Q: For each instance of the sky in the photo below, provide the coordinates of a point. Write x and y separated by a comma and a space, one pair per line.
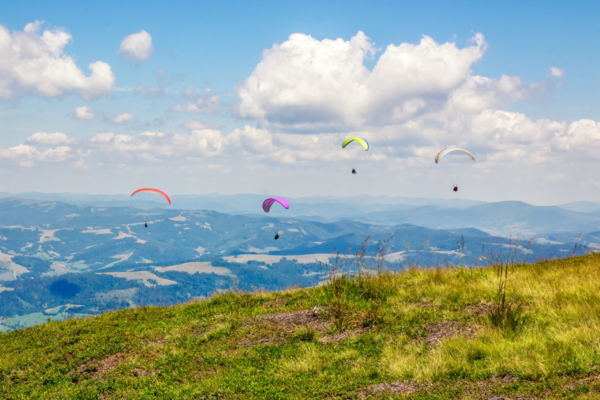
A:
256, 97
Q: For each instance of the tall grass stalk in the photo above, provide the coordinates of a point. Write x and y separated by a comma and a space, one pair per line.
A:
506, 312
358, 296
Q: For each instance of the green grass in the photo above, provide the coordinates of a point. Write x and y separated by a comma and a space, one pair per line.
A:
422, 333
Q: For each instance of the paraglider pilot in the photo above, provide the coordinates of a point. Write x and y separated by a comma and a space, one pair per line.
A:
145, 224
455, 188
354, 171
276, 235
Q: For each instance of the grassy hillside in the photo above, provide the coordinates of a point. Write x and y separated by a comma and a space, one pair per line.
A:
499, 332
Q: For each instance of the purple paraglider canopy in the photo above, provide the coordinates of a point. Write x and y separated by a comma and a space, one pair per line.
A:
269, 202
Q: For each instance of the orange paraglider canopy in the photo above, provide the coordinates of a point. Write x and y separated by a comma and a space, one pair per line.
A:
153, 190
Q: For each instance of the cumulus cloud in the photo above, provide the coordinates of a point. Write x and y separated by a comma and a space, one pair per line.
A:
137, 47
121, 119
205, 102
84, 113
582, 137
27, 156
309, 85
50, 138
417, 99
305, 83
35, 63
556, 72
479, 93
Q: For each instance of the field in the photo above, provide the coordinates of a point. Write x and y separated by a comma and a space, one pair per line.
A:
505, 331
196, 267
269, 259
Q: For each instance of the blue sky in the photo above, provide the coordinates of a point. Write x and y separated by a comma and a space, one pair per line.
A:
218, 45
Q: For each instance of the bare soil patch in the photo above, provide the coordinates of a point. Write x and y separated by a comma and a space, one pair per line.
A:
141, 372
94, 369
313, 318
439, 331
584, 380
478, 310
108, 364
425, 303
470, 390
338, 337
405, 388
486, 389
276, 328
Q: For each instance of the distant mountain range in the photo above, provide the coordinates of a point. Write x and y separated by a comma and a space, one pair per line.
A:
59, 259
506, 218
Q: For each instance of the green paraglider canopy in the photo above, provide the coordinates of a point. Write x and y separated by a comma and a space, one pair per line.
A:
362, 142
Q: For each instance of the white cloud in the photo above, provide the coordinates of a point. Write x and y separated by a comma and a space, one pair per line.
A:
121, 119
203, 103
102, 137
479, 93
197, 124
557, 72
137, 47
60, 153
504, 143
194, 124
307, 84
27, 156
417, 99
50, 138
35, 63
84, 113
581, 138
148, 133
494, 136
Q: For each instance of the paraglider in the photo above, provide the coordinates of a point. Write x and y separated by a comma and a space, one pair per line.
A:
153, 190
271, 200
361, 141
448, 151
160, 192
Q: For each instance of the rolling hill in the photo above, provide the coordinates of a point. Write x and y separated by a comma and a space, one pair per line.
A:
422, 333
